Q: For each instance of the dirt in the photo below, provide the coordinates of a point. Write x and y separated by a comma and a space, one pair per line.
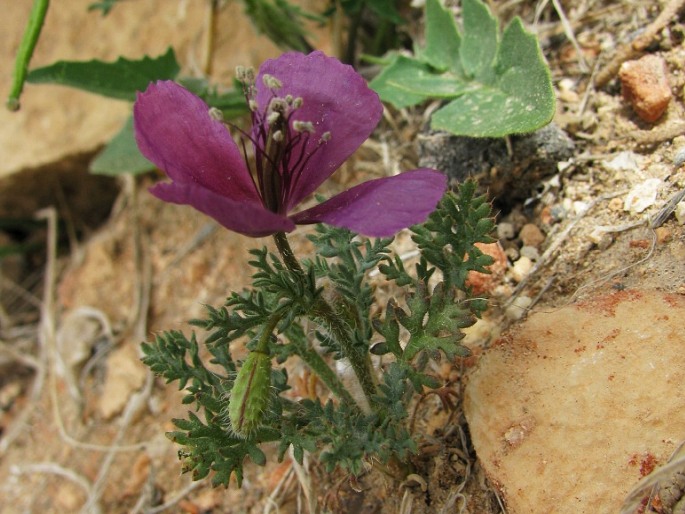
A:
74, 432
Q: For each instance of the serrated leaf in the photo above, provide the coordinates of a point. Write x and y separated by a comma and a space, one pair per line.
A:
434, 323
121, 155
119, 79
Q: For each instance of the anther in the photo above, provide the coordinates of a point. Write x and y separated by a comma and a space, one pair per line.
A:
303, 126
278, 105
271, 82
277, 136
326, 136
252, 104
297, 102
216, 114
273, 117
245, 75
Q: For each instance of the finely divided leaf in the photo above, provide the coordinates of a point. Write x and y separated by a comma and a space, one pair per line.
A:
119, 79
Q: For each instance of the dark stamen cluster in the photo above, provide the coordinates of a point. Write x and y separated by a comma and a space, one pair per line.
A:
280, 142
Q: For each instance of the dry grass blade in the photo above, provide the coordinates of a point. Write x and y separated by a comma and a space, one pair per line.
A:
658, 478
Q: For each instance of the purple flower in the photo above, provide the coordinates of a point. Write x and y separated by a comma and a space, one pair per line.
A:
309, 114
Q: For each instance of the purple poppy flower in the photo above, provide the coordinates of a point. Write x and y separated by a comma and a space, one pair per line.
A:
309, 114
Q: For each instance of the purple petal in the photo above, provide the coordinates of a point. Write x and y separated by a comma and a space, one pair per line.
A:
381, 207
336, 99
175, 131
248, 218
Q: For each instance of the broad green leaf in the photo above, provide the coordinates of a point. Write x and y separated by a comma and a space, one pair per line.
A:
498, 87
521, 99
119, 79
420, 81
121, 155
387, 83
479, 44
442, 39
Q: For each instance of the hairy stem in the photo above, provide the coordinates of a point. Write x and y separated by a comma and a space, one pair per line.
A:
311, 357
323, 313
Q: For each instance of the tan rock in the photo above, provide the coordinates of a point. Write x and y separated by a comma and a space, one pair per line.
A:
531, 235
568, 407
644, 83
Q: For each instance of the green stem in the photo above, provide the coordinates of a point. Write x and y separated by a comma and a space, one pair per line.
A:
324, 372
263, 342
360, 362
287, 254
323, 313
28, 44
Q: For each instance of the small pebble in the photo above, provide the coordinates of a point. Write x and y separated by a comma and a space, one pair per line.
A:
531, 235
512, 253
601, 238
531, 252
518, 308
615, 204
505, 230
644, 83
558, 212
642, 196
521, 269
679, 158
663, 234
580, 208
680, 213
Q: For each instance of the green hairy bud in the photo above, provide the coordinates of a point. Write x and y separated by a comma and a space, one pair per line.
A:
250, 394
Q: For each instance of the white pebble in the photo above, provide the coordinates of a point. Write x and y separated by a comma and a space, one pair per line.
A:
505, 230
521, 268
518, 308
642, 196
680, 213
531, 252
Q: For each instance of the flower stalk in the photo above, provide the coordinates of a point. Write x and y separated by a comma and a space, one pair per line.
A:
323, 313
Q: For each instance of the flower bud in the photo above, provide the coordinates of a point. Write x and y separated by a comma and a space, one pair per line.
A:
250, 394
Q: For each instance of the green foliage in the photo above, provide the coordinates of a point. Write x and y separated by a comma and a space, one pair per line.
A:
494, 87
105, 6
274, 320
447, 240
121, 155
28, 43
345, 260
281, 22
120, 79
384, 9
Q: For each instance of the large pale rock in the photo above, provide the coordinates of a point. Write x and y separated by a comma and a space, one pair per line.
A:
570, 409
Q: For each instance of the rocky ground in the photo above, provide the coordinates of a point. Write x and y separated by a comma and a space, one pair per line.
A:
572, 394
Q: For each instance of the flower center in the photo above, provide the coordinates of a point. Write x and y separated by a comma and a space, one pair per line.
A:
281, 142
